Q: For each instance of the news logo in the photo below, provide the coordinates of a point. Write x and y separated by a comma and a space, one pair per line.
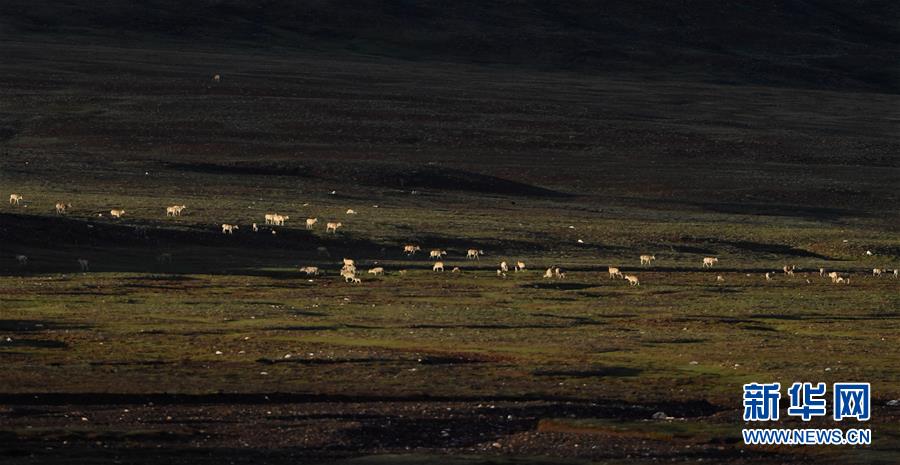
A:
807, 401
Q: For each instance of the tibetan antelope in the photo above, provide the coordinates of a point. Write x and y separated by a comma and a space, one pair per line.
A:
62, 207
473, 254
646, 259
116, 213
229, 228
614, 273
708, 262
632, 280
333, 227
14, 199
310, 222
438, 266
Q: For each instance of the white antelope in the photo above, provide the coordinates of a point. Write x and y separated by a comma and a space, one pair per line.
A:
788, 270
229, 228
708, 262
278, 220
720, 279
614, 273
351, 211
333, 227
822, 272
175, 210
520, 266
877, 272
559, 273
14, 199
116, 213
310, 270
632, 280
456, 270
834, 276
310, 222
768, 276
22, 259
896, 273
549, 273
255, 228
62, 207
504, 267
348, 262
410, 249
270, 218
83, 263
216, 78
377, 271
438, 266
437, 253
473, 254
646, 259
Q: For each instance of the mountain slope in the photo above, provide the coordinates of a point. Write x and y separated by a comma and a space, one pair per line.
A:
835, 44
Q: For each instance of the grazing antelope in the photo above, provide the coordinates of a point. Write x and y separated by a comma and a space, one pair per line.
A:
410, 249
351, 211
310, 222
229, 228
549, 273
254, 227
876, 272
22, 259
437, 253
438, 266
377, 271
708, 262
175, 210
473, 254
720, 279
216, 78
278, 220
333, 227
62, 207
559, 273
896, 273
501, 274
14, 199
455, 270
646, 259
632, 280
310, 270
834, 276
504, 267
768, 276
520, 266
614, 273
788, 270
116, 213
83, 263
822, 272
842, 280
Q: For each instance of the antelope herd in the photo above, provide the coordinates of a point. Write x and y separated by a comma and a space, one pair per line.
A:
348, 270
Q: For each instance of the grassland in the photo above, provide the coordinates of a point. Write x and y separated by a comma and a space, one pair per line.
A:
229, 351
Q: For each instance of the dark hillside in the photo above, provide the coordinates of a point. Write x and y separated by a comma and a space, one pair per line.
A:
834, 44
